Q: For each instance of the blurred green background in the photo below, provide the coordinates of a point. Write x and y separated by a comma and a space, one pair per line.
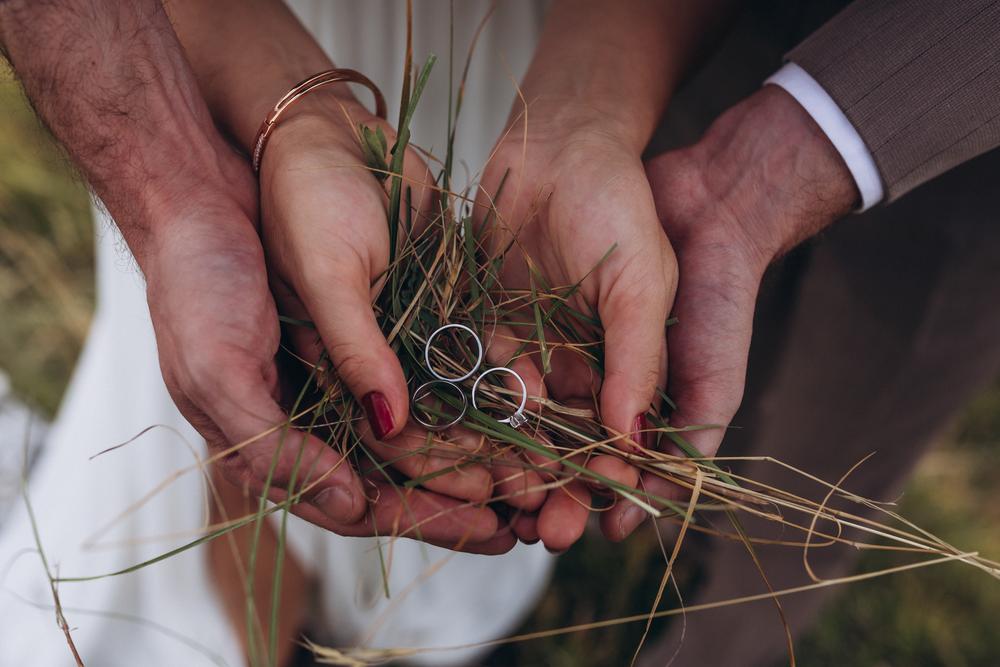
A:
938, 616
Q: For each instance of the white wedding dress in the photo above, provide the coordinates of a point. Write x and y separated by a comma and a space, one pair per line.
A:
167, 613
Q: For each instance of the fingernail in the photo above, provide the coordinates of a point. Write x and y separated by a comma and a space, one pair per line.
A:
336, 502
378, 412
555, 552
641, 433
530, 542
630, 520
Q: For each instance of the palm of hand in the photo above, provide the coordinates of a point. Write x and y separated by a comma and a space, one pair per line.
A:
217, 334
327, 243
586, 210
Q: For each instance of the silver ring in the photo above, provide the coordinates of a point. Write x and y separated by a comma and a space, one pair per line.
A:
517, 419
424, 390
479, 352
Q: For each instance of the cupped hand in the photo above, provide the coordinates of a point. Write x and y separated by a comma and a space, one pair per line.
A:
326, 241
576, 202
763, 179
218, 332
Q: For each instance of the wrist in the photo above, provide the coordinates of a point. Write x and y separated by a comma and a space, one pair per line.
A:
308, 136
566, 118
769, 164
604, 66
332, 101
217, 188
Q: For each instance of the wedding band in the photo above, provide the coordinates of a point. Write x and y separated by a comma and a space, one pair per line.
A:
517, 419
423, 391
479, 352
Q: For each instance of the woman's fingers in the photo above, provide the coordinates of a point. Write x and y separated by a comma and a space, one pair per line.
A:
394, 511
634, 314
338, 297
439, 463
517, 480
563, 517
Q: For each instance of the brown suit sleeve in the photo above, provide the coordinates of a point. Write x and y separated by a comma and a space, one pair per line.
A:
919, 79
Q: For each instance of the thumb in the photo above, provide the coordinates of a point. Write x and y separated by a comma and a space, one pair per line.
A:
635, 358
340, 306
230, 400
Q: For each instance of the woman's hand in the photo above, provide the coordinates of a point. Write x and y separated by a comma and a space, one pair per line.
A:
326, 242
596, 89
325, 235
577, 203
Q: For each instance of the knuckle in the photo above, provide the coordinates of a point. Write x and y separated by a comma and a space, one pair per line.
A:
234, 470
259, 463
349, 360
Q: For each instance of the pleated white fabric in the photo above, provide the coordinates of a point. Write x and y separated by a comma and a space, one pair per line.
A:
167, 613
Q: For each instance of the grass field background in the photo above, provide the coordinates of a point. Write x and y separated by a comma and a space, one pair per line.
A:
941, 616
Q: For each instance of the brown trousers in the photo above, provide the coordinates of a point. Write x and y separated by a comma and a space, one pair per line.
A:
870, 338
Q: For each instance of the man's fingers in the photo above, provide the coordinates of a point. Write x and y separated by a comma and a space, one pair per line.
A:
339, 300
711, 341
525, 527
613, 468
240, 404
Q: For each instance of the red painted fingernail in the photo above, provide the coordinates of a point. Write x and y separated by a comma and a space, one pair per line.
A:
641, 433
378, 412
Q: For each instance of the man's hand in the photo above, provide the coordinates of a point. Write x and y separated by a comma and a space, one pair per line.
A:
111, 81
217, 333
763, 179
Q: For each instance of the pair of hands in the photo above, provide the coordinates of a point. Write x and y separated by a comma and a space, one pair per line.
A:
694, 229
702, 222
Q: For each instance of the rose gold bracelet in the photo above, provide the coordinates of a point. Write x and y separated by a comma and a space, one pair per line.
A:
304, 88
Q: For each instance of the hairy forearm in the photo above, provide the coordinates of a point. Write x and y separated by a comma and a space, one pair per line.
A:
617, 61
246, 55
111, 82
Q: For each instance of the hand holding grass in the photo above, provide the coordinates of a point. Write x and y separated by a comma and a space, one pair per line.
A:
762, 179
327, 249
576, 203
127, 108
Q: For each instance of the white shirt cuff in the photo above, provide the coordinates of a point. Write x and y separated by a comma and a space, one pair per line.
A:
837, 127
